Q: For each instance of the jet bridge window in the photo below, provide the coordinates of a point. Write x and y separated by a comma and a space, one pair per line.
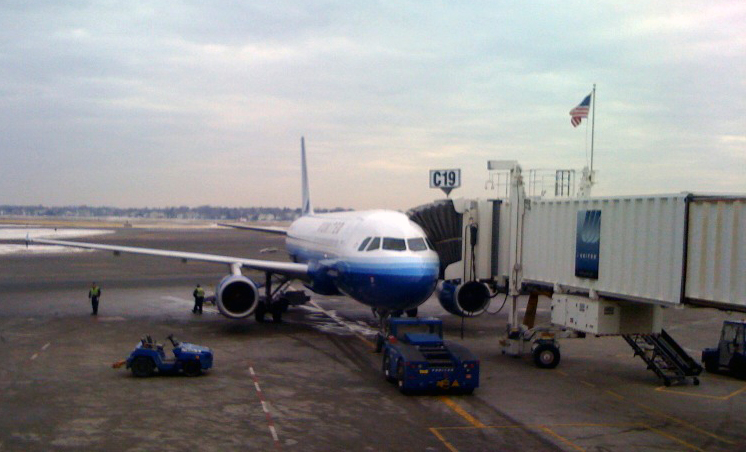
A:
394, 244
416, 244
364, 244
374, 244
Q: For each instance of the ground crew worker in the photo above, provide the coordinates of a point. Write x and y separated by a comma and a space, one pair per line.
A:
94, 295
199, 298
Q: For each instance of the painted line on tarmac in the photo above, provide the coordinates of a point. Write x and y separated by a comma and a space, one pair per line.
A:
549, 429
551, 432
461, 412
337, 319
659, 413
188, 302
684, 423
546, 428
267, 414
442, 439
44, 347
673, 438
706, 396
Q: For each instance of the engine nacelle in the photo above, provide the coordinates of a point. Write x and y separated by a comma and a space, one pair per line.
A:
236, 296
464, 300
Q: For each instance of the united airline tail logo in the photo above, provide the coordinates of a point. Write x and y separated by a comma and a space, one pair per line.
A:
591, 228
588, 244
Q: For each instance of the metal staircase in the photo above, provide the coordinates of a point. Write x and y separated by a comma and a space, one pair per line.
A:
664, 357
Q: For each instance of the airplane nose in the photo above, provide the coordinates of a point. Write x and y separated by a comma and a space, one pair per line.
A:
400, 285
404, 290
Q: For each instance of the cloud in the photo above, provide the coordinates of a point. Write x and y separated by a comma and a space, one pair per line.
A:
198, 103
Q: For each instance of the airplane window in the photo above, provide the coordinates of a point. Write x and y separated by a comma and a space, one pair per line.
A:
430, 244
394, 244
417, 244
364, 244
374, 244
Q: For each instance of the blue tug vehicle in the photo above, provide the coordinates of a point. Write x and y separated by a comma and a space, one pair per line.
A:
149, 356
730, 352
416, 358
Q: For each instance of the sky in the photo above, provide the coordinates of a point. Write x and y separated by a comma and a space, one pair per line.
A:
154, 104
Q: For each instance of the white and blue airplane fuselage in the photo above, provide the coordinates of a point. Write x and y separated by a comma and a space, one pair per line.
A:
379, 258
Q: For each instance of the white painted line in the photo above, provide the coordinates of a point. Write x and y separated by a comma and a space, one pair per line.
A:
46, 345
189, 302
177, 299
351, 327
265, 408
274, 432
34, 356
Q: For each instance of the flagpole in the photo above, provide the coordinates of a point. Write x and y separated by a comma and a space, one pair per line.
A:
593, 123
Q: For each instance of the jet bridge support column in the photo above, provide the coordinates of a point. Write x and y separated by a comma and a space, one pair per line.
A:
517, 198
520, 338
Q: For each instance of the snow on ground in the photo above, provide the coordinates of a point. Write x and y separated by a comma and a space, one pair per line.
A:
16, 233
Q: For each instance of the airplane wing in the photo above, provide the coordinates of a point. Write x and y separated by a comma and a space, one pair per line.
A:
268, 229
290, 269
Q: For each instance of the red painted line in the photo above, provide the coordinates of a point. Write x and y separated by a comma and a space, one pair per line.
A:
267, 414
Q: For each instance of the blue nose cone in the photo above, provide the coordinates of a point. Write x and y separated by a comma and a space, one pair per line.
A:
394, 286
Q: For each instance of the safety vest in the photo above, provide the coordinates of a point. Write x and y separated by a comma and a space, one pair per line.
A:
199, 292
95, 291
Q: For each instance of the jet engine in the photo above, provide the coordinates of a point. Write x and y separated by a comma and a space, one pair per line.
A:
469, 299
236, 296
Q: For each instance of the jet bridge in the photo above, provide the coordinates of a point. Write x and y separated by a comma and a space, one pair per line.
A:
610, 264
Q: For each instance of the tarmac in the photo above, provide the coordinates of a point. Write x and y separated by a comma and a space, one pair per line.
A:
312, 382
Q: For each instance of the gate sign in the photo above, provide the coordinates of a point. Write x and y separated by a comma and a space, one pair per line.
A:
446, 179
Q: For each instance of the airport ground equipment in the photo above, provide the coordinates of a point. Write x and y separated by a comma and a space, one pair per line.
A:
664, 357
416, 358
149, 357
730, 352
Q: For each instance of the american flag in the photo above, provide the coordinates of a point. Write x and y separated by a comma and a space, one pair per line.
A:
580, 112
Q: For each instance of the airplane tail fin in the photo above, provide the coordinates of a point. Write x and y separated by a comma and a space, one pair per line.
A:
307, 207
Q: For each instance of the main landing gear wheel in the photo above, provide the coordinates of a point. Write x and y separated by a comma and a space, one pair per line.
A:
412, 312
546, 356
142, 366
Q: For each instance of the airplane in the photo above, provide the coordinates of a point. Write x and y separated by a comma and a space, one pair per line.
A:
379, 258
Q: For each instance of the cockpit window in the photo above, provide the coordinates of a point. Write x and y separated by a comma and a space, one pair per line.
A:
364, 244
417, 244
374, 244
394, 244
430, 244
